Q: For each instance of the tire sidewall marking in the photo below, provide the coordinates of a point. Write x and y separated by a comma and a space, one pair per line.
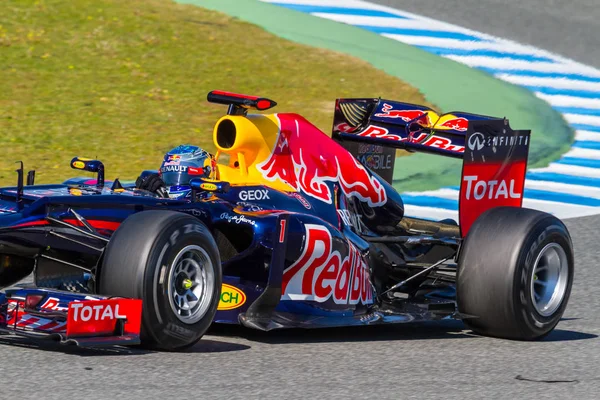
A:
551, 234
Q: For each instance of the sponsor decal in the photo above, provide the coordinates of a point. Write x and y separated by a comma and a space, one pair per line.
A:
370, 148
377, 161
173, 157
52, 303
310, 160
237, 219
425, 139
322, 273
195, 212
258, 194
174, 168
478, 141
493, 172
248, 207
349, 219
99, 317
379, 132
345, 128
78, 164
493, 189
231, 297
301, 199
387, 111
195, 171
457, 123
97, 312
211, 187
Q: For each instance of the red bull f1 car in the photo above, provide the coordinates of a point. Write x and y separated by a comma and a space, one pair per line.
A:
293, 231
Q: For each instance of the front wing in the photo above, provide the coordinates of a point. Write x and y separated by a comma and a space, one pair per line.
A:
70, 318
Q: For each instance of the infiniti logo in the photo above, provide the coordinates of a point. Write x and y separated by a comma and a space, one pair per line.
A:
476, 141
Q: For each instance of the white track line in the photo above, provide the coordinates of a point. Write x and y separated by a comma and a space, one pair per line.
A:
588, 136
573, 170
467, 44
578, 152
510, 64
582, 119
557, 83
569, 101
561, 210
341, 3
557, 187
390, 22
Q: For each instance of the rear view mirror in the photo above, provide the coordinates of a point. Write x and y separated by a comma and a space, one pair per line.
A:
87, 164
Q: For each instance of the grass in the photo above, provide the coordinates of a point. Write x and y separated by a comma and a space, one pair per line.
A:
125, 81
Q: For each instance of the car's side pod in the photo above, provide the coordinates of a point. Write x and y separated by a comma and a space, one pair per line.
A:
494, 155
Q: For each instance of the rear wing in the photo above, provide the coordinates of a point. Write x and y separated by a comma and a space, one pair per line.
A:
403, 126
494, 155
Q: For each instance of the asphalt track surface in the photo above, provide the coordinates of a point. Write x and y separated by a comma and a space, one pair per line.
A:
401, 362
404, 361
568, 28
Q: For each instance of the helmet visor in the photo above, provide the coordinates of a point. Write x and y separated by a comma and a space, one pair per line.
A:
175, 178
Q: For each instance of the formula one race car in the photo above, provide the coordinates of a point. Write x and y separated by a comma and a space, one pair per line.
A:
293, 230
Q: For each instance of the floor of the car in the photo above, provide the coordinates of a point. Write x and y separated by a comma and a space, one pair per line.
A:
446, 228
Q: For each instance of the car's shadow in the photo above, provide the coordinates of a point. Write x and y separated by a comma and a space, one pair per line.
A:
203, 346
401, 332
218, 342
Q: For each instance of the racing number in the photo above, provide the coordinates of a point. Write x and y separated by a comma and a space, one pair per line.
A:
282, 231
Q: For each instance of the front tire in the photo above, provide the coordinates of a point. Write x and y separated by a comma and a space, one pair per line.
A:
170, 261
515, 272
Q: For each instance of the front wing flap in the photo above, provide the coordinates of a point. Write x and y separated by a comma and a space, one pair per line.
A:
71, 318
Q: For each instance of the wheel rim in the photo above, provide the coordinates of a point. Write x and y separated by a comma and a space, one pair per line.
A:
191, 284
549, 279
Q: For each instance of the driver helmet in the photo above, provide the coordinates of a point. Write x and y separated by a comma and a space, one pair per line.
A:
184, 163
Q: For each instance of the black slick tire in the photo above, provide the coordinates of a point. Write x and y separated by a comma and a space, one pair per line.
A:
137, 263
496, 268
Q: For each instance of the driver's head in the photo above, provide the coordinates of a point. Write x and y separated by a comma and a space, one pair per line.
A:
185, 163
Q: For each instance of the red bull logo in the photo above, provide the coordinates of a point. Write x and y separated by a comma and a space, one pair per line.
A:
458, 124
423, 138
307, 159
323, 273
405, 115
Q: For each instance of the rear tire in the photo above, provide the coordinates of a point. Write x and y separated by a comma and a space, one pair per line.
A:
515, 272
170, 261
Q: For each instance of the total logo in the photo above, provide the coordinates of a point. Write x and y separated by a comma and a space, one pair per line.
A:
322, 273
258, 194
490, 189
477, 141
98, 312
231, 297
